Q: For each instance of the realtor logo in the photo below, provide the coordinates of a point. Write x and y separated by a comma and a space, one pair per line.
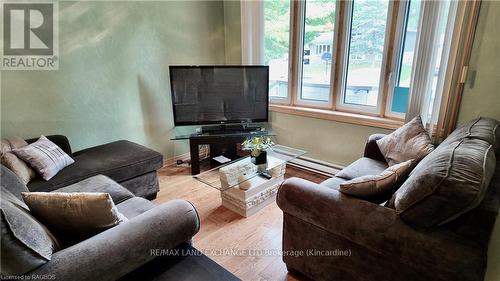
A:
30, 36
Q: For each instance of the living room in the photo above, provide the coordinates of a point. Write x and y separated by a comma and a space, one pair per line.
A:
356, 92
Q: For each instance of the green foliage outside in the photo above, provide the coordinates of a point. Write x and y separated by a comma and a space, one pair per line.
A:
277, 29
369, 21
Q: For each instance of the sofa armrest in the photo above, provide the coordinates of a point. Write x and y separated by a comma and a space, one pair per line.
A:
59, 140
125, 247
373, 227
371, 148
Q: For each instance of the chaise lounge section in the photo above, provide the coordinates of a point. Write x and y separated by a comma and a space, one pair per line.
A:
132, 165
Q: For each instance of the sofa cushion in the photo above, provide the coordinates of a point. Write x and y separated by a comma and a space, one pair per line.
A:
143, 185
362, 167
99, 183
480, 128
120, 160
11, 182
134, 207
376, 185
410, 141
447, 183
25, 243
73, 216
45, 157
22, 170
333, 183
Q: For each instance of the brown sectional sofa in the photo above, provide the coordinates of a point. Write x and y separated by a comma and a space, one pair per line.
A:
377, 242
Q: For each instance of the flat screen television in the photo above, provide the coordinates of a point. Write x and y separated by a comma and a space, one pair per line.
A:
219, 94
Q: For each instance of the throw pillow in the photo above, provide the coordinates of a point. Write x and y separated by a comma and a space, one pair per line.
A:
410, 141
74, 215
45, 157
26, 243
375, 185
24, 172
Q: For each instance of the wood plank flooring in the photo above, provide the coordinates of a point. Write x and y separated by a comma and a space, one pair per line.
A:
223, 230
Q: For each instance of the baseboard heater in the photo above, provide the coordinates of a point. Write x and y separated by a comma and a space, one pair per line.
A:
305, 163
316, 166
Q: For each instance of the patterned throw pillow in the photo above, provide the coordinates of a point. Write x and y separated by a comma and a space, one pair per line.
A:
374, 185
12, 162
45, 157
411, 141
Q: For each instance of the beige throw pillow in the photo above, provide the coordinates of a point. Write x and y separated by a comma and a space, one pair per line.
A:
374, 185
24, 172
73, 214
410, 141
45, 157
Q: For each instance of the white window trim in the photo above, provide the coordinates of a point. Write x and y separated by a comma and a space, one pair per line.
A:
300, 47
252, 32
424, 58
400, 30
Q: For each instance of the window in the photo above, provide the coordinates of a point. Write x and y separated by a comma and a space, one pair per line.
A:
368, 24
277, 45
319, 22
344, 58
400, 91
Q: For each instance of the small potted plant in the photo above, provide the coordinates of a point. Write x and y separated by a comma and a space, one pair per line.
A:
257, 147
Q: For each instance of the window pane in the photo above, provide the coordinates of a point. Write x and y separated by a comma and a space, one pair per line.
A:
402, 87
366, 47
318, 46
277, 30
408, 49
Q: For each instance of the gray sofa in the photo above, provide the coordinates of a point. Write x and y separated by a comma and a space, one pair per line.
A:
108, 255
381, 242
131, 165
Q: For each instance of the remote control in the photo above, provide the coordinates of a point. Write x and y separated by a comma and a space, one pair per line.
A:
266, 175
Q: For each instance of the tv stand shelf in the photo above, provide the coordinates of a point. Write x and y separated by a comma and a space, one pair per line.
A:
226, 128
221, 142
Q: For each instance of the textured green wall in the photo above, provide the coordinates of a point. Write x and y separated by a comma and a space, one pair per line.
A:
334, 142
232, 32
481, 96
113, 81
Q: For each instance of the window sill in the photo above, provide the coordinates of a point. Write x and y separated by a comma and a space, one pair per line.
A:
339, 116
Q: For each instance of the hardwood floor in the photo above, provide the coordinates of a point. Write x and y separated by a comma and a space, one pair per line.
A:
224, 230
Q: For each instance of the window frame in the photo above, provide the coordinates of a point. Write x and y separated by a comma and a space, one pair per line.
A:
401, 25
299, 45
288, 99
456, 76
340, 95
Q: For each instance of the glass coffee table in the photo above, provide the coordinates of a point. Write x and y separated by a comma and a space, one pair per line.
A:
245, 187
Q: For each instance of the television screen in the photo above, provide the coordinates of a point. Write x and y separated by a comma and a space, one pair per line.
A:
219, 94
